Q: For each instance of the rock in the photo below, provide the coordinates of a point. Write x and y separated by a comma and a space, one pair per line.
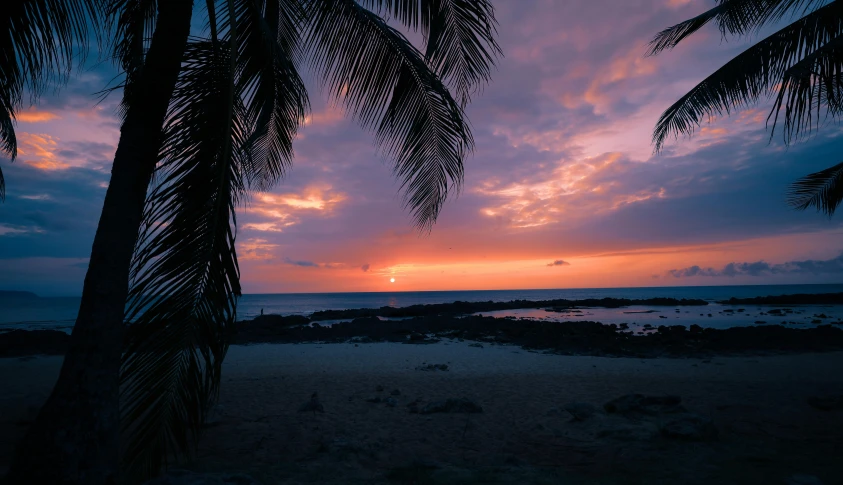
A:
433, 367
391, 402
379, 389
452, 406
641, 431
184, 477
416, 337
827, 403
413, 407
313, 405
478, 345
395, 392
375, 400
802, 479
690, 427
695, 328
580, 410
631, 404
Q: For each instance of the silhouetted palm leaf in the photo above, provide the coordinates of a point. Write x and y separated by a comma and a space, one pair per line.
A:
274, 95
733, 17
40, 40
758, 71
134, 22
384, 81
186, 277
822, 190
460, 38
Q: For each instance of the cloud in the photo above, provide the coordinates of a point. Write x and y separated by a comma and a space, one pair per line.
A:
559, 262
304, 264
763, 268
33, 115
365, 267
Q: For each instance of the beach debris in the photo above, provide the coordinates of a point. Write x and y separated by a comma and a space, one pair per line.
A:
476, 344
452, 406
433, 367
185, 477
395, 392
803, 479
313, 405
827, 403
580, 410
690, 427
631, 404
391, 402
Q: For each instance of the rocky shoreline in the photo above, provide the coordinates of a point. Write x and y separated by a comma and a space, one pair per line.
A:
570, 338
798, 299
467, 308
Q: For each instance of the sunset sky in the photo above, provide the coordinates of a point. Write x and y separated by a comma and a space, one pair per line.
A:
563, 189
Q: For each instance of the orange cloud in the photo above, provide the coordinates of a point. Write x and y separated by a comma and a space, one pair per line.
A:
38, 150
35, 116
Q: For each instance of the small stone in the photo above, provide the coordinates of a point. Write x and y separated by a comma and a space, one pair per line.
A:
395, 392
826, 403
452, 406
375, 400
391, 402
478, 345
580, 410
803, 479
690, 427
313, 405
379, 389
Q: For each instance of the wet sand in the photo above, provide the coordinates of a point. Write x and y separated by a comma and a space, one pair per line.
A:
767, 432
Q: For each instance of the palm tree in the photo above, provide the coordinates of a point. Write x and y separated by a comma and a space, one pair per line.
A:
38, 43
800, 66
215, 117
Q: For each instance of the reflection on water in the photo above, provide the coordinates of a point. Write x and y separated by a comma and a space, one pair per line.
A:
710, 316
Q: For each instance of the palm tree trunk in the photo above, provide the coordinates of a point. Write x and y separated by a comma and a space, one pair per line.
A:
74, 439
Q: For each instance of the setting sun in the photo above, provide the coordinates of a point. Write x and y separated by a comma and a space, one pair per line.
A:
392, 280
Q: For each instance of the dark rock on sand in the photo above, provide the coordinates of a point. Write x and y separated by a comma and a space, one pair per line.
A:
391, 402
452, 406
184, 477
433, 367
313, 405
374, 400
580, 410
395, 392
803, 479
690, 427
28, 342
827, 403
639, 404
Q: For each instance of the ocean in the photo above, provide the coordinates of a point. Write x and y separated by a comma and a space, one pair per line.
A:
60, 312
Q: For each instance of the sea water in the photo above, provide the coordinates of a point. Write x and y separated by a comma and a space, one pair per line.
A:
60, 312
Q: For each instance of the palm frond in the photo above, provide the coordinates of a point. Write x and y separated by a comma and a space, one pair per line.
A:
185, 276
822, 190
753, 73
275, 97
40, 41
461, 44
134, 22
386, 83
733, 17
810, 88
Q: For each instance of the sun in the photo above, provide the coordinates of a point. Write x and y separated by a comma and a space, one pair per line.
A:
392, 280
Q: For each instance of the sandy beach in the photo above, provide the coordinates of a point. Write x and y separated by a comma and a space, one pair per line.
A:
766, 432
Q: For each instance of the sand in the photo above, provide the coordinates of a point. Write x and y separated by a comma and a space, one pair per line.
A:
767, 431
